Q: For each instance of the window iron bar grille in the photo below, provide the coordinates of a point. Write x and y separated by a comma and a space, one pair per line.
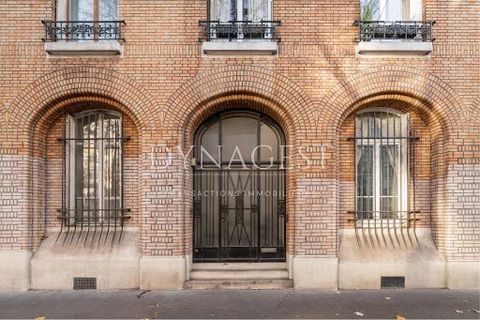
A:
395, 30
240, 30
385, 179
83, 30
375, 228
93, 223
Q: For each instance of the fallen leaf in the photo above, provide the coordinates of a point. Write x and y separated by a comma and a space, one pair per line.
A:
388, 298
399, 317
475, 310
40, 318
458, 311
358, 314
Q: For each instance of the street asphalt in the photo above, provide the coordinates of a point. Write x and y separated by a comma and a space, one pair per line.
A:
270, 304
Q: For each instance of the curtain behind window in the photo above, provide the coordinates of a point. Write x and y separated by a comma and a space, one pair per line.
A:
252, 10
81, 10
391, 10
223, 10
256, 10
107, 10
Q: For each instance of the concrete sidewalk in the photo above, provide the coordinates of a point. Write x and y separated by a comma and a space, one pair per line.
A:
457, 304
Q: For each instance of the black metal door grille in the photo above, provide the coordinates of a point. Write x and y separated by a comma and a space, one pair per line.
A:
239, 209
244, 219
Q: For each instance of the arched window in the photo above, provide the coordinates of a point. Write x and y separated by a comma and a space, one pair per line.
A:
232, 136
93, 163
382, 147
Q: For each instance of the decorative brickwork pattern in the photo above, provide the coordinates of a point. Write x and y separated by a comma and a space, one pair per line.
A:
166, 88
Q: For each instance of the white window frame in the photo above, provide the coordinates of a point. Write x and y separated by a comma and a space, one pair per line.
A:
402, 140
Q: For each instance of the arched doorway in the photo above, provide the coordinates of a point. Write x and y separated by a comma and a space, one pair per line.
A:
239, 189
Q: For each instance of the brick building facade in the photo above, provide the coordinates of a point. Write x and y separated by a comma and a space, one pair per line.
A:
164, 86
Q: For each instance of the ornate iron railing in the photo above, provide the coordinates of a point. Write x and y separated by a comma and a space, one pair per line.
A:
391, 30
239, 30
83, 30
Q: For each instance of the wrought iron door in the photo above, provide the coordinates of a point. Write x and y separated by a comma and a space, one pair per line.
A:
239, 206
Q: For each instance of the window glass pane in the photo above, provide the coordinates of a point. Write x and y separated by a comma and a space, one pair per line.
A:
370, 10
241, 133
389, 159
364, 171
210, 143
107, 10
81, 10
256, 10
391, 10
111, 164
415, 10
87, 166
223, 10
365, 181
270, 143
390, 165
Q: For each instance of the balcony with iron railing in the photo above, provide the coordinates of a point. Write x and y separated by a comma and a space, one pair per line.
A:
83, 37
239, 37
395, 37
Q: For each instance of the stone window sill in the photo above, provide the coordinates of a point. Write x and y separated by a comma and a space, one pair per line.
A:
84, 48
218, 47
394, 47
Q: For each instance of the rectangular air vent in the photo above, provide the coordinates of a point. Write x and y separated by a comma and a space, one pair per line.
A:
392, 282
84, 283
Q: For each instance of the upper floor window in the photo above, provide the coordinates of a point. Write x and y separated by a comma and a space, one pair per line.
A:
236, 21
80, 27
397, 20
391, 10
93, 10
382, 148
241, 10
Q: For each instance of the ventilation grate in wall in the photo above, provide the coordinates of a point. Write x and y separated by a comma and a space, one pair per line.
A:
84, 283
392, 282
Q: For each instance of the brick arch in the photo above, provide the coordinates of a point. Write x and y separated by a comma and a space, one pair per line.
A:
287, 101
237, 102
436, 103
239, 87
475, 114
51, 90
422, 90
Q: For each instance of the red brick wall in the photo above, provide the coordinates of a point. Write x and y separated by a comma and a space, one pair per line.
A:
164, 84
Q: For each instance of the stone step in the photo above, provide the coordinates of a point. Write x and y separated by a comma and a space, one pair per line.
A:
209, 274
245, 284
239, 266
